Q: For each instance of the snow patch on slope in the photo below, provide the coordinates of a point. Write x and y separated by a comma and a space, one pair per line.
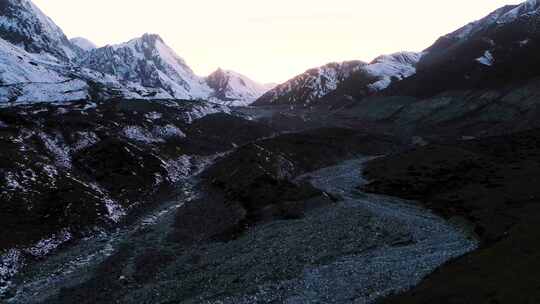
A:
388, 67
486, 59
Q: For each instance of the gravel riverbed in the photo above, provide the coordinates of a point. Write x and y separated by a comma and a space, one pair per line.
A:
361, 248
386, 245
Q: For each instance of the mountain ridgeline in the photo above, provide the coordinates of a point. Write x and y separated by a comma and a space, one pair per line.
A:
493, 52
352, 77
498, 50
41, 64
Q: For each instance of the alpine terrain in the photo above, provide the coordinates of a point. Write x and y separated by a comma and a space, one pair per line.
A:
127, 178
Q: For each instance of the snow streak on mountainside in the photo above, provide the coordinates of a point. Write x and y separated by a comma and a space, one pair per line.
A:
311, 85
23, 24
235, 89
83, 43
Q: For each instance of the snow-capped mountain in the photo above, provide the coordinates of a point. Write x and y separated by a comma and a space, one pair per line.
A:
348, 78
83, 43
494, 51
151, 63
311, 85
234, 88
23, 24
29, 78
39, 64
37, 61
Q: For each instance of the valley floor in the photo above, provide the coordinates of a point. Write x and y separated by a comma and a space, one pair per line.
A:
363, 247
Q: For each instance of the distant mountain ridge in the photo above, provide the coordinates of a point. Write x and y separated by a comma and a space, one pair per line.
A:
311, 85
499, 49
39, 63
349, 78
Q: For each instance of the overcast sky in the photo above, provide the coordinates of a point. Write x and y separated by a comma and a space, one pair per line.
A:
269, 41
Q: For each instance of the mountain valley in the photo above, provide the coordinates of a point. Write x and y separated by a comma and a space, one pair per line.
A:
127, 178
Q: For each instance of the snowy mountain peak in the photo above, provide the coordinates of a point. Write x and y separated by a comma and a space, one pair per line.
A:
147, 60
83, 43
23, 24
234, 88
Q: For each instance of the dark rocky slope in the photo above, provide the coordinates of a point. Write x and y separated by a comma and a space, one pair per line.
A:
492, 183
79, 166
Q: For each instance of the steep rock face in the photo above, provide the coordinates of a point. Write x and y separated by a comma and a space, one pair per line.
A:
234, 88
311, 85
496, 50
149, 62
24, 24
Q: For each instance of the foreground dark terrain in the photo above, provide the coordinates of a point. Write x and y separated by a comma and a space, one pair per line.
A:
491, 184
74, 170
245, 186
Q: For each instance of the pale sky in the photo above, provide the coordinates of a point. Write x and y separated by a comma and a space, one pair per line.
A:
269, 41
